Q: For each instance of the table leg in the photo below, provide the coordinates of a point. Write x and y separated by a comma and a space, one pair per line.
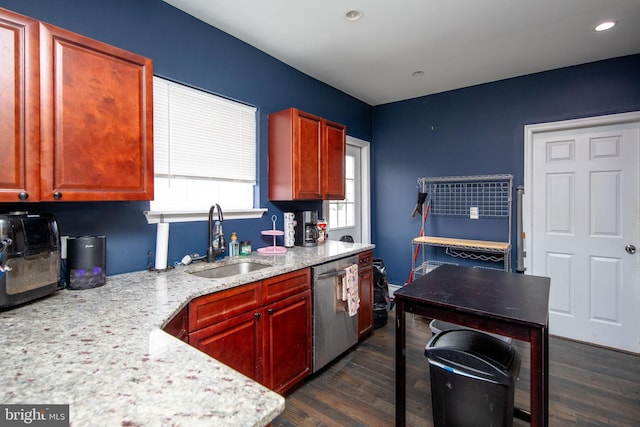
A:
400, 364
539, 374
546, 374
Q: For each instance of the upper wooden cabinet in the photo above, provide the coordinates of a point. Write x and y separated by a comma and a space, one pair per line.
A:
96, 119
306, 157
88, 134
19, 107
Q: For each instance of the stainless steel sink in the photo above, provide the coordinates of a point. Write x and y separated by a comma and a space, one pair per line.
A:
228, 270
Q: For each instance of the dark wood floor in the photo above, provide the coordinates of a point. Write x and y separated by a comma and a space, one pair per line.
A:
589, 386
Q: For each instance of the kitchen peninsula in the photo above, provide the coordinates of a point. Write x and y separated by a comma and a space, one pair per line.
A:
103, 352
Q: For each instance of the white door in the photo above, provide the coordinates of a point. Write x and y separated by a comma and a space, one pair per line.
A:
350, 217
584, 204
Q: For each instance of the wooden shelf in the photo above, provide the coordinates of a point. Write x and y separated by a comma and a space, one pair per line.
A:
464, 243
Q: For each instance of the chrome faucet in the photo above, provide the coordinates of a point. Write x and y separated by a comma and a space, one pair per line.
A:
216, 235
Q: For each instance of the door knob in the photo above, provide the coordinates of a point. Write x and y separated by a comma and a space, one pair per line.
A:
630, 249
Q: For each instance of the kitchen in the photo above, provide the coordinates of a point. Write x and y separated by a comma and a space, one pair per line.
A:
493, 113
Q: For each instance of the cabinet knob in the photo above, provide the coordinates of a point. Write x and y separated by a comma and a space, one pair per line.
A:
271, 311
57, 195
257, 315
23, 195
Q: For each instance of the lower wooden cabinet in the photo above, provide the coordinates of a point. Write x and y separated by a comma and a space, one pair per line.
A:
236, 342
365, 289
262, 329
287, 342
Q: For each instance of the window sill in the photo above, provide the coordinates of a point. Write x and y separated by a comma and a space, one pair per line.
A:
154, 217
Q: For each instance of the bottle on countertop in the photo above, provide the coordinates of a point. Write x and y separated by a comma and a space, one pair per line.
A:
245, 248
322, 231
234, 246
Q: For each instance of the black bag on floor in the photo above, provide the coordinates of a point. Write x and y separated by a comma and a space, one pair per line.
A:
380, 293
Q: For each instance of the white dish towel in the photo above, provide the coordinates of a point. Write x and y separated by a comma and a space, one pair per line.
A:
350, 289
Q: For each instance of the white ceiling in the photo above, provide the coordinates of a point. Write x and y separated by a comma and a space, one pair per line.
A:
456, 43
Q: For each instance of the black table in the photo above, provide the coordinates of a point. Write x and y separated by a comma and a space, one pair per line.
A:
509, 304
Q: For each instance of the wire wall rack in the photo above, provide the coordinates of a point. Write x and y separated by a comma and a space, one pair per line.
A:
474, 197
490, 194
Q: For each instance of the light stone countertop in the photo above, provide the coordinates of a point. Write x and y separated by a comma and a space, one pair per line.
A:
102, 350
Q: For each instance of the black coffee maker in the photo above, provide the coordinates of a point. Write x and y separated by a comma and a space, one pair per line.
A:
306, 227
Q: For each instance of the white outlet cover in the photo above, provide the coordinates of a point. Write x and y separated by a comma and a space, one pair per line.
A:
474, 213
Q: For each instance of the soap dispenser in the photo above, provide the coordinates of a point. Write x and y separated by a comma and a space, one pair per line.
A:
234, 246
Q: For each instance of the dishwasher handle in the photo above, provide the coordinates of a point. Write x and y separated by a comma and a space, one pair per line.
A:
331, 274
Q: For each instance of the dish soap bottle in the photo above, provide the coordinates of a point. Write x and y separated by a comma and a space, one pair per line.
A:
234, 246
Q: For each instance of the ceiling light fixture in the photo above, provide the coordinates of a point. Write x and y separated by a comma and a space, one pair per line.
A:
605, 26
353, 15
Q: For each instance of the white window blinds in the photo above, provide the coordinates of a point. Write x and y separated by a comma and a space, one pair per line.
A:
200, 135
204, 149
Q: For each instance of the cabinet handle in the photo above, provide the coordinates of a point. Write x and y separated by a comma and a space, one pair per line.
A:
271, 311
23, 195
257, 315
57, 195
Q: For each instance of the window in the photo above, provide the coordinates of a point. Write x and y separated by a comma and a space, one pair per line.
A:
204, 149
342, 212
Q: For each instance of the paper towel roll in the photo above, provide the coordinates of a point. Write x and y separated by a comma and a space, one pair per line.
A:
289, 231
162, 245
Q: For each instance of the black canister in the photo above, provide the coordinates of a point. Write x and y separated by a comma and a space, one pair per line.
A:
86, 259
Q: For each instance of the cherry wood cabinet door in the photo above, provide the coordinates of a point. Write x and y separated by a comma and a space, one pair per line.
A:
287, 342
307, 151
365, 289
19, 108
333, 161
295, 147
96, 119
236, 342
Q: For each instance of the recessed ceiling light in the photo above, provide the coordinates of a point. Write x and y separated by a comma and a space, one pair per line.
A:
353, 15
418, 73
605, 26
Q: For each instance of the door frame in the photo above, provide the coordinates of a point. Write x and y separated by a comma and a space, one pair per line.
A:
529, 132
365, 187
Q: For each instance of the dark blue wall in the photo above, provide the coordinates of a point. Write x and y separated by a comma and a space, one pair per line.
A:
475, 131
187, 50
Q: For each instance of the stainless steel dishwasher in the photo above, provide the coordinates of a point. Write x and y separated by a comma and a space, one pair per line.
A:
334, 331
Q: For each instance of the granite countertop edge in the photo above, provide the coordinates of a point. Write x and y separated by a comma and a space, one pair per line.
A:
103, 352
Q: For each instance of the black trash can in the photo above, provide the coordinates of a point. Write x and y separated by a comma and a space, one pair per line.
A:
473, 378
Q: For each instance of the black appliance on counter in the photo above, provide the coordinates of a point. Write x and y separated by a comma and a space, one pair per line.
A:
29, 257
86, 259
306, 229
